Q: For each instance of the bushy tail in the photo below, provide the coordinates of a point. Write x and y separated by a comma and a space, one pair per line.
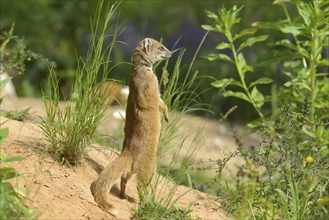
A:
101, 187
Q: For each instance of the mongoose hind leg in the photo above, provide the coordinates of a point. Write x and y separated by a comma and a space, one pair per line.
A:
144, 178
142, 189
123, 185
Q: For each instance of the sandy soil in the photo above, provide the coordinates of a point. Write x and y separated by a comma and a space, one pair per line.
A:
61, 192
217, 140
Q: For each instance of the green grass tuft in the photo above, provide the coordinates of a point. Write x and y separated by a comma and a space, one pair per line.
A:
70, 130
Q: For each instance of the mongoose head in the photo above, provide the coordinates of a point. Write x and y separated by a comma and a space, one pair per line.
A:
154, 50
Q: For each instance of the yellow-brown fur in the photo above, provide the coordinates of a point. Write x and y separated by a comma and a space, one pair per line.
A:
112, 90
142, 127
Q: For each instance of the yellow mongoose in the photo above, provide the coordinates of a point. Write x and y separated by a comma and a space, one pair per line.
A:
142, 127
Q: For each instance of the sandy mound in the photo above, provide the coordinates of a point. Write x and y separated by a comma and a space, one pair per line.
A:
60, 192
217, 139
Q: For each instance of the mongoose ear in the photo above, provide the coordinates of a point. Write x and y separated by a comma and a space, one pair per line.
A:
147, 44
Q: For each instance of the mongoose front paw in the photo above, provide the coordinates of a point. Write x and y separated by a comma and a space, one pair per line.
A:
167, 120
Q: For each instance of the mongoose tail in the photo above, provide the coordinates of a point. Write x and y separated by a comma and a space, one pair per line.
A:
119, 169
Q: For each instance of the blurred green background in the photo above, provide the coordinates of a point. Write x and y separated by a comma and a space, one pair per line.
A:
59, 30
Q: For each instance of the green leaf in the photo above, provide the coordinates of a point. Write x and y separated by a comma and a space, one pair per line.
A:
258, 97
189, 180
308, 132
325, 89
304, 11
285, 43
221, 83
236, 83
2, 156
207, 27
219, 28
235, 21
293, 65
255, 123
280, 2
303, 85
269, 25
222, 46
11, 159
283, 197
323, 62
12, 196
239, 95
263, 80
290, 29
3, 134
247, 68
252, 40
212, 57
4, 82
324, 152
323, 201
303, 52
244, 32
241, 62
7, 188
211, 15
242, 65
8, 173
275, 57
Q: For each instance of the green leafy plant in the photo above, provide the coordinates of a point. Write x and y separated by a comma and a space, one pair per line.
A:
11, 205
70, 131
285, 153
11, 201
20, 115
293, 202
224, 23
303, 58
286, 174
14, 54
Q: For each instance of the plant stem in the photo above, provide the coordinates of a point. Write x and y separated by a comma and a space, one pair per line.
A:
7, 39
251, 100
312, 69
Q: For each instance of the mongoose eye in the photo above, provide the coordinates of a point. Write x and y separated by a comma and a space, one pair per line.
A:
161, 48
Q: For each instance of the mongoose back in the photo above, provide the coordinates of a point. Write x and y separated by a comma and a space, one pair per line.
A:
142, 126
